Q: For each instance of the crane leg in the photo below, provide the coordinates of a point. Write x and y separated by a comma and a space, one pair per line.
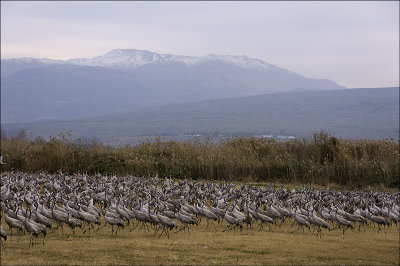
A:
293, 223
214, 226
295, 230
270, 228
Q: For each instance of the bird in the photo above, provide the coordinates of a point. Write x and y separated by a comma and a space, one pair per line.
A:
301, 222
141, 217
343, 222
3, 235
89, 218
60, 217
112, 220
48, 197
263, 217
166, 223
42, 219
14, 223
40, 227
380, 221
233, 222
314, 219
73, 223
185, 220
32, 229
209, 215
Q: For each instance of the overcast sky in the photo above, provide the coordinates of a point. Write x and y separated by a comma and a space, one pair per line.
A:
355, 44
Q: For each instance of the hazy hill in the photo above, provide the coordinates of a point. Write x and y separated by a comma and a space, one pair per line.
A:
371, 113
126, 80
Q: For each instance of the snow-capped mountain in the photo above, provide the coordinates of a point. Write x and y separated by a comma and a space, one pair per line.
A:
132, 58
125, 79
118, 58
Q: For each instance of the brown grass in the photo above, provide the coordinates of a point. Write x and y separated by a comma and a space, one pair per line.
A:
321, 160
207, 247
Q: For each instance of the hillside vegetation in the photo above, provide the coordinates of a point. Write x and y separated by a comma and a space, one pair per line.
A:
353, 113
321, 160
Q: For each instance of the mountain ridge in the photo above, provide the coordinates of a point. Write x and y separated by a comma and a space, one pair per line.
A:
369, 113
132, 58
35, 89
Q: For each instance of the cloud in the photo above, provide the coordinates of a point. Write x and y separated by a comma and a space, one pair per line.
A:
315, 39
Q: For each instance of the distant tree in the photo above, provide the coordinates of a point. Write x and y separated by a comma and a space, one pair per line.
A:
3, 133
85, 142
40, 140
22, 135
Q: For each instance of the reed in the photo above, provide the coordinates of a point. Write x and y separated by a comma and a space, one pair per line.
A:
321, 160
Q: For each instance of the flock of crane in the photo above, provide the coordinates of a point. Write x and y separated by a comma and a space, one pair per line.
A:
41, 203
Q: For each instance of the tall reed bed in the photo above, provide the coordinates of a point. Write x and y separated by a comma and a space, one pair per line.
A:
321, 160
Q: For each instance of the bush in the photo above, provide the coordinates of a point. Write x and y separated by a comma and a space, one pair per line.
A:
321, 160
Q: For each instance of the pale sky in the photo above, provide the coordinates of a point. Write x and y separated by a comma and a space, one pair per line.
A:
355, 44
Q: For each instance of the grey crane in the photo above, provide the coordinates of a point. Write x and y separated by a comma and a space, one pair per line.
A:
233, 223
42, 219
40, 227
14, 223
283, 211
122, 213
209, 215
73, 222
273, 211
167, 211
173, 201
112, 220
263, 217
153, 219
3, 235
45, 211
249, 218
385, 211
343, 222
218, 211
60, 217
380, 221
393, 217
301, 222
184, 211
356, 218
141, 217
318, 222
32, 229
89, 218
130, 213
72, 211
111, 213
185, 220
166, 223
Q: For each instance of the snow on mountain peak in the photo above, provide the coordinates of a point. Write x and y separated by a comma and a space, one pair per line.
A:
132, 58
242, 61
122, 58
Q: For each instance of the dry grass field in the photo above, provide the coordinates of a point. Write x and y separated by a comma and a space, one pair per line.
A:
319, 160
207, 247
